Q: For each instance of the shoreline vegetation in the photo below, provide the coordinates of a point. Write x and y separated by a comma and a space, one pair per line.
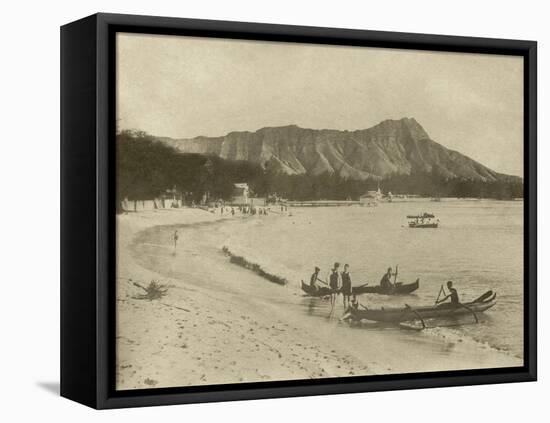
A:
200, 330
146, 168
254, 267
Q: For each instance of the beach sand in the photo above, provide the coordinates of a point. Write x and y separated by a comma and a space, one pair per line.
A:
219, 323
197, 336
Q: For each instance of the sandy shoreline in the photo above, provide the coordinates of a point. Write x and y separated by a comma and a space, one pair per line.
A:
196, 336
220, 323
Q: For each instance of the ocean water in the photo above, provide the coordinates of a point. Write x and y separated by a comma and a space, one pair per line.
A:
479, 246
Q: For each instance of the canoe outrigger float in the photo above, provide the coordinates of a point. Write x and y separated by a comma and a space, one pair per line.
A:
397, 289
424, 220
400, 315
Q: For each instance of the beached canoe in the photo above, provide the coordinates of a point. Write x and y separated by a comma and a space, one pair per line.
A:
322, 291
408, 313
398, 289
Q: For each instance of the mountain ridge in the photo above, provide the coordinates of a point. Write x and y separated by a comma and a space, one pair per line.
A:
392, 147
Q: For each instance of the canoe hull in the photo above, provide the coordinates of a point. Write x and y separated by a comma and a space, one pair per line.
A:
423, 225
322, 291
402, 289
397, 315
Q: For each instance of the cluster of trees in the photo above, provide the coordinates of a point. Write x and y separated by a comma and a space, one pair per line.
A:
331, 186
146, 168
434, 185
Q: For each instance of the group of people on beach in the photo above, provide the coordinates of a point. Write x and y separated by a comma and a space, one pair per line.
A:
340, 283
250, 210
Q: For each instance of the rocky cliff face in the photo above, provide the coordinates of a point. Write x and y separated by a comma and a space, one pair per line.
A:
391, 147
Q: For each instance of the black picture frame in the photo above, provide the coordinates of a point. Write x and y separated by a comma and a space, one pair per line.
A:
88, 209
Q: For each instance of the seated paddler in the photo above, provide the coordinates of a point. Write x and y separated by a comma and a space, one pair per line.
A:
385, 282
452, 296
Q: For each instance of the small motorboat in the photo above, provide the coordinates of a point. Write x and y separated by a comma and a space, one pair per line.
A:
424, 220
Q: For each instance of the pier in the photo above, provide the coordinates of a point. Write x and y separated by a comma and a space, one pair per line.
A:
322, 203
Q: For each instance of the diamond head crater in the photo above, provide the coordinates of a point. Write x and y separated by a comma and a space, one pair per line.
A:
307, 164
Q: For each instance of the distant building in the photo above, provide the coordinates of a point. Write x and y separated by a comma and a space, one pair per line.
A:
241, 193
171, 198
257, 201
367, 200
371, 197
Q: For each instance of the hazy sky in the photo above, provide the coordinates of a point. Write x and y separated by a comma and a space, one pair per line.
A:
182, 87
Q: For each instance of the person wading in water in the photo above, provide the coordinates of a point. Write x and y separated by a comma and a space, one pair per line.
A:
175, 238
354, 302
346, 285
334, 283
314, 278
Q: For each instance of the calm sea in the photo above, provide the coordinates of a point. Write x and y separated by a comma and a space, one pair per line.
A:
479, 246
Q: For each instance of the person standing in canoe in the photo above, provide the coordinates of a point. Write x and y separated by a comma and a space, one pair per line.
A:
453, 295
334, 282
385, 282
346, 285
314, 278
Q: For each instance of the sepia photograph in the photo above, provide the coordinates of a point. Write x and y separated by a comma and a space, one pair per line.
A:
292, 211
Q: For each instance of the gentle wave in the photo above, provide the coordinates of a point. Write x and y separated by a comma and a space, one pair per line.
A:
455, 336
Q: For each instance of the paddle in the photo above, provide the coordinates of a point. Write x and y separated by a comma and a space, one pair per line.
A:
322, 281
395, 278
439, 295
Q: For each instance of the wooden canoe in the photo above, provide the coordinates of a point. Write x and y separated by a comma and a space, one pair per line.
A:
398, 289
407, 313
322, 291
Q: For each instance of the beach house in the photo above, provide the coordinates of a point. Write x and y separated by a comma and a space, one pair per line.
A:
241, 194
371, 198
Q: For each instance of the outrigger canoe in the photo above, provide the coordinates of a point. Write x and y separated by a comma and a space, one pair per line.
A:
322, 291
408, 313
397, 289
